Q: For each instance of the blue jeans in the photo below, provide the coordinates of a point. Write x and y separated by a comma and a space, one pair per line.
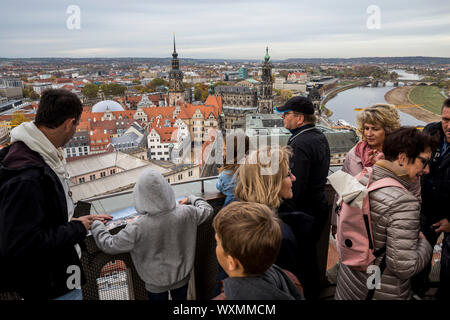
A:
71, 295
176, 294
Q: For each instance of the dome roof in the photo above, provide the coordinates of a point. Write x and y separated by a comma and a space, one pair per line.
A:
105, 105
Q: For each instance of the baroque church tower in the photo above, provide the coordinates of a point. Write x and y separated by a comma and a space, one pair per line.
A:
176, 90
265, 101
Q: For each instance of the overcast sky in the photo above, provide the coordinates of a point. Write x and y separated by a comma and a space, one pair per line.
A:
225, 29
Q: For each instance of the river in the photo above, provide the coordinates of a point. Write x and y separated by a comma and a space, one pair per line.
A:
404, 75
345, 102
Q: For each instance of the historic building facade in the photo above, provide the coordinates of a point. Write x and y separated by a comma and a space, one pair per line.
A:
265, 99
176, 89
248, 98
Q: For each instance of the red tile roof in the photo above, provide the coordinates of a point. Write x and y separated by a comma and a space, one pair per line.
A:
167, 134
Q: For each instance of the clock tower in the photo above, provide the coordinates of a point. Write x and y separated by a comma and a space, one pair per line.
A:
176, 89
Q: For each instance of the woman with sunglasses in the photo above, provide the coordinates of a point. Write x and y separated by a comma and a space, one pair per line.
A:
394, 213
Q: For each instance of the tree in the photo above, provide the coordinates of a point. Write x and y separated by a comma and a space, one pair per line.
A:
220, 83
393, 76
158, 82
28, 92
200, 92
136, 81
18, 117
284, 73
113, 89
90, 91
286, 95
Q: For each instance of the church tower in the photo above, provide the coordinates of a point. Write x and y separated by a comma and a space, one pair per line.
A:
265, 99
176, 90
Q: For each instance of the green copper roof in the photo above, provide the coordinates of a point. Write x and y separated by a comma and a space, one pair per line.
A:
267, 57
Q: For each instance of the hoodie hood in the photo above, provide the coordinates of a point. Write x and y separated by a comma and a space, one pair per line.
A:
152, 194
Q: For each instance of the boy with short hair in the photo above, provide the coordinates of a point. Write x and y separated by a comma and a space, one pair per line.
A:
248, 239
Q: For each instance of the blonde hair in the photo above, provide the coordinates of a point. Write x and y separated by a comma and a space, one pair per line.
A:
253, 186
382, 114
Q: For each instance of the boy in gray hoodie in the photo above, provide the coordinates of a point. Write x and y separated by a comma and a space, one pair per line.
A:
162, 242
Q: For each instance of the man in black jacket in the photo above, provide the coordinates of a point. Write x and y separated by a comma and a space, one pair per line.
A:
309, 164
39, 255
435, 213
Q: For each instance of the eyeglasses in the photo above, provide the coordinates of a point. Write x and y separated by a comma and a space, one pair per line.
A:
287, 113
425, 161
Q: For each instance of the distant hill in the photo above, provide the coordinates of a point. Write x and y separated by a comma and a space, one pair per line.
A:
165, 61
369, 60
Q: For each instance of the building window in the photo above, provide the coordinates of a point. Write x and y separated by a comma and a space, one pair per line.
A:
81, 180
190, 174
180, 177
159, 153
102, 174
92, 177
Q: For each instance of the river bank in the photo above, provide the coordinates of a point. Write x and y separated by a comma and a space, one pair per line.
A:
400, 96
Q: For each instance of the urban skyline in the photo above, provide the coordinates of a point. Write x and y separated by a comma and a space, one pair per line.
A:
234, 30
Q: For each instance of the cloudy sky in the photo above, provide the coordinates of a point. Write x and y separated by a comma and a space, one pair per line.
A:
238, 29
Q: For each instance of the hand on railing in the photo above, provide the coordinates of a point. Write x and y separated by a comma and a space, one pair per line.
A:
183, 201
89, 219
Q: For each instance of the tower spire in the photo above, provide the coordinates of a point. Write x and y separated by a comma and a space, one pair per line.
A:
267, 57
174, 54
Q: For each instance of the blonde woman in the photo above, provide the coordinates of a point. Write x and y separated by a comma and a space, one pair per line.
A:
373, 125
267, 183
266, 178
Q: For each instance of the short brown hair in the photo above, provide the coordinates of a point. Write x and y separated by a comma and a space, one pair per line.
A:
407, 140
56, 106
251, 233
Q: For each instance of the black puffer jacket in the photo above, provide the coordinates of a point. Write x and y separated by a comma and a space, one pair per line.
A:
436, 184
36, 239
309, 164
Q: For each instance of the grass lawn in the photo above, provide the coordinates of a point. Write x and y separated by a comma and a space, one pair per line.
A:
429, 96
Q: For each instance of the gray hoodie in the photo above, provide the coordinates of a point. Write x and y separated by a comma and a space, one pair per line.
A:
161, 243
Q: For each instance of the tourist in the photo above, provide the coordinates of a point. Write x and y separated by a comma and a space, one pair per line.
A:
226, 183
373, 125
435, 213
39, 236
162, 242
394, 213
248, 239
266, 178
309, 163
